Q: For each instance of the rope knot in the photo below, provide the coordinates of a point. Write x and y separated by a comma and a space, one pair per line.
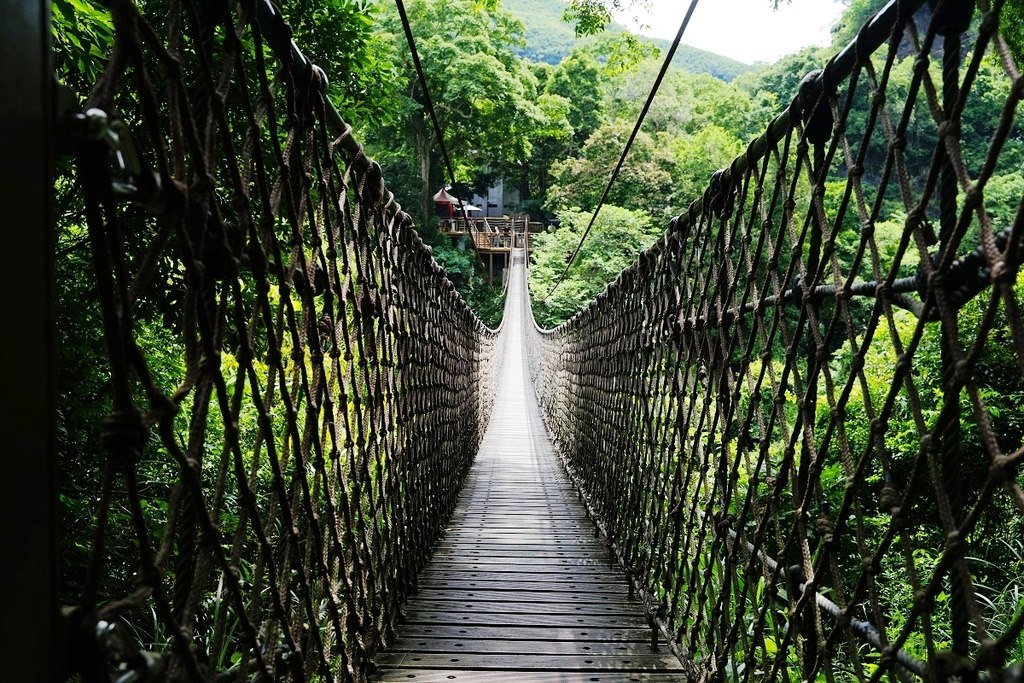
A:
955, 544
721, 194
949, 128
1000, 271
949, 667
318, 80
814, 110
888, 499
1018, 87
1000, 469
953, 18
825, 528
210, 363
373, 185
125, 433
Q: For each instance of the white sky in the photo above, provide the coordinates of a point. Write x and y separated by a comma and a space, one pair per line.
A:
747, 30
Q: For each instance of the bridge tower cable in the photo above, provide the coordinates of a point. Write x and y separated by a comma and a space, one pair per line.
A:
629, 143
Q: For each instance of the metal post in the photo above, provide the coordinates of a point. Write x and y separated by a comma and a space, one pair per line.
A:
28, 506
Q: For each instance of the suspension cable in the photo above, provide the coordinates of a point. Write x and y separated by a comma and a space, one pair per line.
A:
629, 143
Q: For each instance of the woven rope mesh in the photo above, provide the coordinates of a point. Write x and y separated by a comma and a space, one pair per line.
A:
796, 459
335, 384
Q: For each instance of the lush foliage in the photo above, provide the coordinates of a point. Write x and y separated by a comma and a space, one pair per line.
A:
340, 37
477, 84
551, 130
615, 240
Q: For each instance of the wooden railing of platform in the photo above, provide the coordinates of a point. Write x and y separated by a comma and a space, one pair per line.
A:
496, 235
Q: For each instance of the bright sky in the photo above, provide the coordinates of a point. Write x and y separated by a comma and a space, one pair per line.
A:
747, 30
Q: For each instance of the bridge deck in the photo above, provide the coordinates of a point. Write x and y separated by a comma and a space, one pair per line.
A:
519, 588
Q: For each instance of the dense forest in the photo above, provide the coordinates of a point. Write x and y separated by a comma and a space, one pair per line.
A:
524, 97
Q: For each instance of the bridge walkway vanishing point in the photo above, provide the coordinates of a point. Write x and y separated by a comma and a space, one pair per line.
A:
520, 587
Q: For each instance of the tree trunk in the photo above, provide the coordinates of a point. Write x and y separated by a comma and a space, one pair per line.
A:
426, 188
524, 183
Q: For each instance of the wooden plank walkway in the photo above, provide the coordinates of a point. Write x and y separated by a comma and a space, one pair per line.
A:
519, 588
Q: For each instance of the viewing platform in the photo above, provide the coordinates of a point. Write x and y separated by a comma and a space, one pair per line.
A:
493, 235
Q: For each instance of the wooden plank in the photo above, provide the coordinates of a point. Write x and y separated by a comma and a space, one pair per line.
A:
529, 662
440, 618
508, 646
519, 544
468, 676
557, 585
483, 561
508, 532
522, 522
514, 594
589, 633
534, 551
508, 608
506, 566
537, 539
513, 572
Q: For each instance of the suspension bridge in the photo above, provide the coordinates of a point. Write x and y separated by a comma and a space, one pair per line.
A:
520, 585
734, 464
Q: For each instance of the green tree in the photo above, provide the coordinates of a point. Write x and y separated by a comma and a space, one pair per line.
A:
856, 14
781, 79
339, 36
644, 182
482, 92
551, 140
578, 78
688, 103
1011, 25
697, 157
591, 17
82, 37
617, 238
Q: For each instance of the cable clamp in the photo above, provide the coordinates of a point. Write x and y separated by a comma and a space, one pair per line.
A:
134, 181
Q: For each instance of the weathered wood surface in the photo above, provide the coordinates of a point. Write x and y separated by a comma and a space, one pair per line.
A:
519, 588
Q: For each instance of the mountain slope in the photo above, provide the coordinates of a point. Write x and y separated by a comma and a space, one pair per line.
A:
549, 39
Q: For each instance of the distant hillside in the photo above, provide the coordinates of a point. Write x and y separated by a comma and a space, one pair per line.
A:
549, 39
698, 61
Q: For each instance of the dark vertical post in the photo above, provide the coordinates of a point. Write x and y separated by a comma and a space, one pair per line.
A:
953, 19
28, 527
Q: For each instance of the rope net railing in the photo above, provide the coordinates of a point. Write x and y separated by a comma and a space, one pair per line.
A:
272, 490
797, 416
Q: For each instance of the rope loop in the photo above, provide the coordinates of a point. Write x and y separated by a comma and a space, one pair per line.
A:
124, 435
